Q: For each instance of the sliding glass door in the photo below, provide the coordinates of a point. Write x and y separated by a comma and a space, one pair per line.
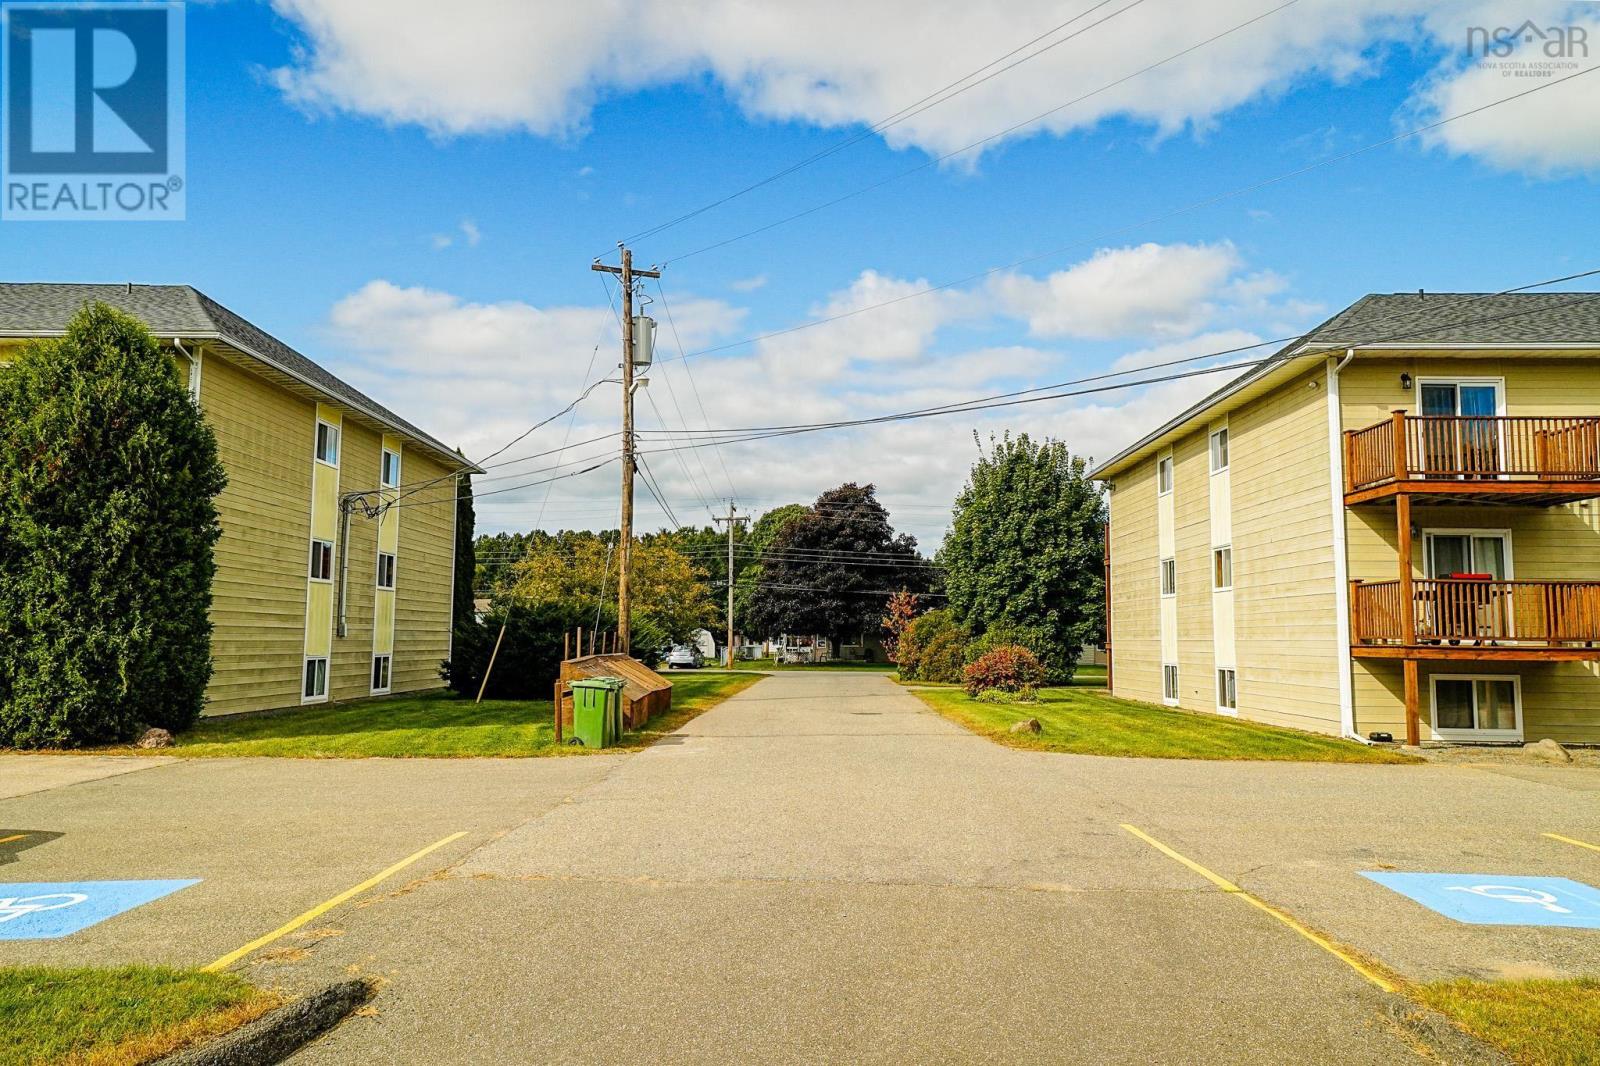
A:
1465, 442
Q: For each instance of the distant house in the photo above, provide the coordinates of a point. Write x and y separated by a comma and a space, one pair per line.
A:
1391, 526
313, 599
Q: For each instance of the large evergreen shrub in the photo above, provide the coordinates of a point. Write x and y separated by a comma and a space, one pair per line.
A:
108, 479
1025, 551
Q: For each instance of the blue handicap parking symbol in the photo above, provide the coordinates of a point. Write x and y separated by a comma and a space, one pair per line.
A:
1500, 899
45, 910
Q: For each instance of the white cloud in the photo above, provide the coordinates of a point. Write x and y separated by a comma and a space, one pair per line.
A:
1223, 345
750, 284
897, 329
1145, 290
477, 374
1551, 132
492, 65
468, 232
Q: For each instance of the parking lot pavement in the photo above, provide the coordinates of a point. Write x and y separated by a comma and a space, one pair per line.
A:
577, 971
1302, 835
21, 774
822, 869
267, 839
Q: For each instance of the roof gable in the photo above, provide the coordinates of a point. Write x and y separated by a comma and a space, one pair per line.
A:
30, 309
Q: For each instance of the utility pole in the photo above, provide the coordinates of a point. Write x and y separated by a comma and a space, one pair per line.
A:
733, 519
626, 273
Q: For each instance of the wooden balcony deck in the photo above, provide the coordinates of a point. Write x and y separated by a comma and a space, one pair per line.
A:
1529, 460
1476, 620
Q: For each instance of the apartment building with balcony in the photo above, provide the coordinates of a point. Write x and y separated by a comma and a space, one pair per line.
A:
1390, 526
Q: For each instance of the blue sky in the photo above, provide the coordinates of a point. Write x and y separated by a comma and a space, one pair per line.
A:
413, 198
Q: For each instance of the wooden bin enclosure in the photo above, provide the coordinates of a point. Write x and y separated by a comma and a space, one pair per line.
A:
645, 695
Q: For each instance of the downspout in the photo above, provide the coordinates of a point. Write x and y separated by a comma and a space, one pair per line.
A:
345, 503
193, 360
1341, 563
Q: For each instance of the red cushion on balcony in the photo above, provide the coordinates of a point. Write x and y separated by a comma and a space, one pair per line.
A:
1471, 577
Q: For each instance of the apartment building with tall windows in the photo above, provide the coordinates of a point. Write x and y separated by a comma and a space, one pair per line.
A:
336, 562
1390, 526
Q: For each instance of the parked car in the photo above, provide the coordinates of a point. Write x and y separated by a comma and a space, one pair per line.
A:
684, 656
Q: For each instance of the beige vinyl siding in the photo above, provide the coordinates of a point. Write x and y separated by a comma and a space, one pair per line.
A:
1135, 585
1192, 539
1560, 700
423, 585
350, 671
1285, 617
264, 438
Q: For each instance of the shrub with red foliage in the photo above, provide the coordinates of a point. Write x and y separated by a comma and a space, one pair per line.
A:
1009, 668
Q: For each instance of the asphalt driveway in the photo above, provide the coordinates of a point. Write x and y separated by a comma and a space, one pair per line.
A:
821, 869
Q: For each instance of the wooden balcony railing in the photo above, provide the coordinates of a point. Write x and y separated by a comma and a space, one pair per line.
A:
1473, 448
1468, 612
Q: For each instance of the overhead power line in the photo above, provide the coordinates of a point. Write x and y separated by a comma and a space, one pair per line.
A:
1016, 399
936, 160
1028, 396
1193, 205
916, 107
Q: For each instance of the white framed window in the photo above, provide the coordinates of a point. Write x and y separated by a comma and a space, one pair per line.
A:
1219, 450
1477, 706
322, 560
1227, 690
385, 570
327, 443
1169, 684
381, 666
389, 469
1169, 577
1164, 475
1222, 568
316, 680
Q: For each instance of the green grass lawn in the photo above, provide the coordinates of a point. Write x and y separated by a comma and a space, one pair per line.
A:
770, 664
1085, 721
1551, 1023
109, 1017
436, 724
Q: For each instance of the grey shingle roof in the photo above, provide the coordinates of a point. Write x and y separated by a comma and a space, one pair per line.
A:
42, 308
1532, 319
1465, 318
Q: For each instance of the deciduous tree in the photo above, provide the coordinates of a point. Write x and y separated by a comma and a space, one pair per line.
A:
827, 571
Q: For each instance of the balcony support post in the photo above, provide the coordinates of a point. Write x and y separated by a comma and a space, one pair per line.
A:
1402, 467
1413, 727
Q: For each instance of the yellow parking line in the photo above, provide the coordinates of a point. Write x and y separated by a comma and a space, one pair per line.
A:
1228, 886
14, 836
1574, 843
323, 908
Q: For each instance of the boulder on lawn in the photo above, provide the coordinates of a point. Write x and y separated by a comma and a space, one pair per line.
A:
1028, 725
1548, 750
154, 738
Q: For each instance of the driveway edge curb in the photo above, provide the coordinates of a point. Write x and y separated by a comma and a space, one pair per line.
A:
281, 1032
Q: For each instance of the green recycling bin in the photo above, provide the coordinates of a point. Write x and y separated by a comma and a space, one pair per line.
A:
597, 711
